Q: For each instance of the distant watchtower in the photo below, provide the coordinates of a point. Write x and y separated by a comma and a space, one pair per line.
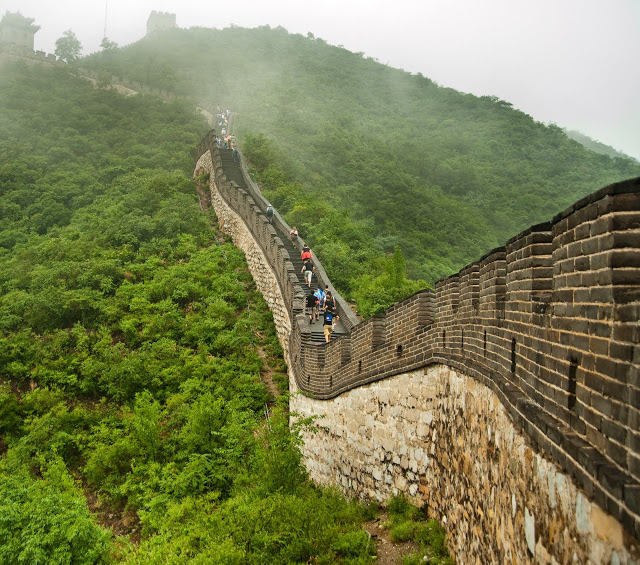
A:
17, 30
159, 21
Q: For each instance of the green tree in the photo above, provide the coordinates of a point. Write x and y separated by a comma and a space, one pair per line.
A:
108, 45
68, 47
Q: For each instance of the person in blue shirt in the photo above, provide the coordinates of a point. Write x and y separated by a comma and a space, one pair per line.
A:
330, 320
320, 301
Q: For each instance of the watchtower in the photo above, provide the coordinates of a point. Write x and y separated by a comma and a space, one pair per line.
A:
17, 30
159, 21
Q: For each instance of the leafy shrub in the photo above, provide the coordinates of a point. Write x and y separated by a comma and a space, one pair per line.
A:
403, 531
59, 432
433, 535
400, 509
407, 525
11, 414
352, 544
46, 521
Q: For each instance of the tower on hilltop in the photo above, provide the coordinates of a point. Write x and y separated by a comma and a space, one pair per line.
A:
17, 30
159, 21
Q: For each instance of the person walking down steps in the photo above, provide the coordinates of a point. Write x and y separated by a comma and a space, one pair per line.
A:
269, 213
329, 303
308, 269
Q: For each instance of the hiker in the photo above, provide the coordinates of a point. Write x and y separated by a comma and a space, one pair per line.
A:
306, 252
329, 304
328, 325
308, 269
312, 307
269, 212
235, 154
293, 233
319, 300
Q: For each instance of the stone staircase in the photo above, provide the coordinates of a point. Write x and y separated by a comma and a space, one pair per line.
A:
233, 172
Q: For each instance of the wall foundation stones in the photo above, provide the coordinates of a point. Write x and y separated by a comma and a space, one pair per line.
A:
459, 454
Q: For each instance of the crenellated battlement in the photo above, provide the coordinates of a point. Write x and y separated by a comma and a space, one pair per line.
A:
549, 323
159, 21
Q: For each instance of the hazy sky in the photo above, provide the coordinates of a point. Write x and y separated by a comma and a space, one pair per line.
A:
575, 63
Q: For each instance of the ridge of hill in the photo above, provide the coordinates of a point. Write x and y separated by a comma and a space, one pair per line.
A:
596, 146
442, 175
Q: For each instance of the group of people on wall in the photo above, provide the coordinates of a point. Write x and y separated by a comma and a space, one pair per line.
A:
320, 301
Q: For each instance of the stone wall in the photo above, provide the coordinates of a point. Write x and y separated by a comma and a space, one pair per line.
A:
546, 325
260, 267
446, 441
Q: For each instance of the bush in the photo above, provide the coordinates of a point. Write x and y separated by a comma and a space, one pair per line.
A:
400, 509
10, 412
406, 525
46, 521
404, 531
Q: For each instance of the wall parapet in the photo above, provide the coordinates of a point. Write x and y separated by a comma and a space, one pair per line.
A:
549, 322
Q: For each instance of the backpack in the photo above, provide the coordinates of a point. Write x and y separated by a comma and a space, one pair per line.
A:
306, 255
329, 304
328, 318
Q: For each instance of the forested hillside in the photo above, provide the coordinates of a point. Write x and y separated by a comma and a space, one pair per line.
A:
135, 424
368, 157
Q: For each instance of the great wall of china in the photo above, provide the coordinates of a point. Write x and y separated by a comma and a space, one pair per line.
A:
506, 401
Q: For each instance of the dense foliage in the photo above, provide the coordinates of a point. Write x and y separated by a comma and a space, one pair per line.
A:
135, 425
445, 176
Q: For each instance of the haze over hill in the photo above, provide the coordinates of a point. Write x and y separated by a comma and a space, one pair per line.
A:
443, 175
594, 145
571, 62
